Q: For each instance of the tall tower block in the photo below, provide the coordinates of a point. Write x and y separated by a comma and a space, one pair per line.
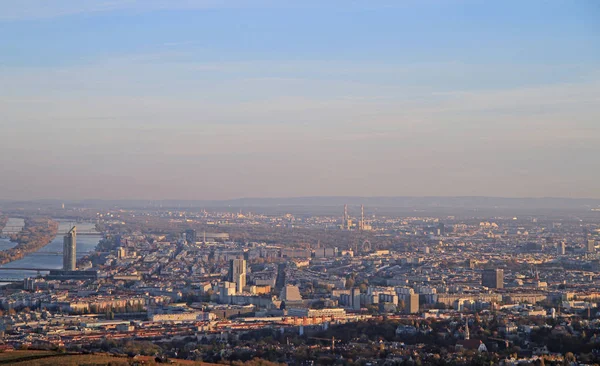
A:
70, 250
237, 273
345, 219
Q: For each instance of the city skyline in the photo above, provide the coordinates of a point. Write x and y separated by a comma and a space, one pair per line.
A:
304, 287
220, 100
299, 182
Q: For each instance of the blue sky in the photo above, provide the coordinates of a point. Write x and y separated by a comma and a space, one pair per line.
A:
145, 99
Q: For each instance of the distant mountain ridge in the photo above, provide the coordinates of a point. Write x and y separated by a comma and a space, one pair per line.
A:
415, 202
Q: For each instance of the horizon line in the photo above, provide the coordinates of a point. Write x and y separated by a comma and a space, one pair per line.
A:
294, 197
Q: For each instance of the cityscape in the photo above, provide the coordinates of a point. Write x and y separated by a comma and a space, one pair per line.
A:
300, 182
358, 287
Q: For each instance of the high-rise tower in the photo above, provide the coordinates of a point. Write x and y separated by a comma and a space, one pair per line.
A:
493, 278
345, 219
562, 248
191, 236
591, 246
70, 250
237, 273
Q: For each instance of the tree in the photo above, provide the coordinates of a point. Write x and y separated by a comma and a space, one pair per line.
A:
349, 283
569, 358
401, 305
363, 287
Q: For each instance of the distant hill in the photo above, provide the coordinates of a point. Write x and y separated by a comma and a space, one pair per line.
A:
411, 202
334, 204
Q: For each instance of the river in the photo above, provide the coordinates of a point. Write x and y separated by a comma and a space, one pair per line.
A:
85, 244
13, 222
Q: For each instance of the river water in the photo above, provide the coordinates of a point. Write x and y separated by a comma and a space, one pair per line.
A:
85, 244
13, 222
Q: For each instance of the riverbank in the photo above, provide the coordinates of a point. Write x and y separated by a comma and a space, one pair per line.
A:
36, 234
50, 256
3, 221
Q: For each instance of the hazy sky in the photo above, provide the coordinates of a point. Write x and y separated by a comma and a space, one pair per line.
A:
209, 99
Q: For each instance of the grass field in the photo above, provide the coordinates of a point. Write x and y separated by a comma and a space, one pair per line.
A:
47, 358
6, 358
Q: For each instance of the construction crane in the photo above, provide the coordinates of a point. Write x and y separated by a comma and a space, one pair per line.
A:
332, 340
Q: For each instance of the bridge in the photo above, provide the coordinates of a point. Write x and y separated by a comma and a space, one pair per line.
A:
10, 230
27, 269
58, 253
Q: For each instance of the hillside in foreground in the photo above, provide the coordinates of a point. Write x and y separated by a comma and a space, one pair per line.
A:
48, 358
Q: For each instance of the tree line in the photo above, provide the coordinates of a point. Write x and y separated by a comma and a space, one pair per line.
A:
36, 234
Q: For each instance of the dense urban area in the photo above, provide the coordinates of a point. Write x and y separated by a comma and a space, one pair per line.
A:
359, 286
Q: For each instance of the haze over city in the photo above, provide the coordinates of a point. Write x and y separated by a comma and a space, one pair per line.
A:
300, 182
225, 99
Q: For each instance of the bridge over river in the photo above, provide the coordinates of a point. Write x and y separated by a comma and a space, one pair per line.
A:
58, 253
10, 230
50, 257
27, 269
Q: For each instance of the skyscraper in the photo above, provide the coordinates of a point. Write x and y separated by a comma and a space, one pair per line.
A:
440, 230
493, 278
237, 273
70, 250
121, 253
190, 236
411, 304
591, 246
355, 298
562, 248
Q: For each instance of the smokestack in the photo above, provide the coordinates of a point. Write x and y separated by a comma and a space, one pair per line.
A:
362, 217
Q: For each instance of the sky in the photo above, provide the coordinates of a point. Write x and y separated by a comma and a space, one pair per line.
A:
210, 99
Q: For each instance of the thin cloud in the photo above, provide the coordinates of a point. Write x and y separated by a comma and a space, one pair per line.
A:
18, 10
44, 9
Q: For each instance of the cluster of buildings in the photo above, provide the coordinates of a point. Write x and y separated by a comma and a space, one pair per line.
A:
395, 266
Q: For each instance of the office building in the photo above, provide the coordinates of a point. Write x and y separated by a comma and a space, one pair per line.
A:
355, 298
70, 250
237, 273
290, 293
562, 248
471, 263
63, 275
191, 236
440, 230
309, 313
591, 246
492, 278
411, 303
